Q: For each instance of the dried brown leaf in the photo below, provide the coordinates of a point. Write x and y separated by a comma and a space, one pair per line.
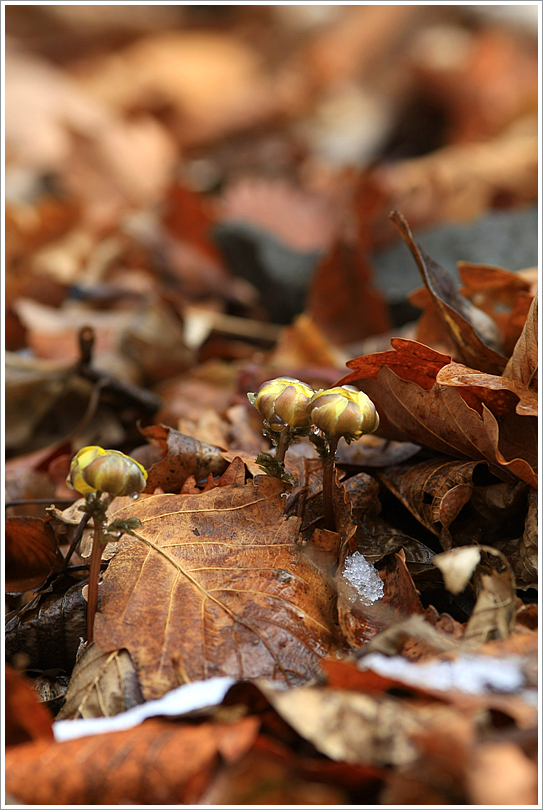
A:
32, 553
434, 491
504, 296
523, 363
474, 333
493, 615
182, 456
424, 398
102, 685
25, 718
215, 586
156, 763
47, 631
343, 301
348, 726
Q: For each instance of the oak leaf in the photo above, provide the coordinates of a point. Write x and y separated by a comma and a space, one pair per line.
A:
215, 584
423, 397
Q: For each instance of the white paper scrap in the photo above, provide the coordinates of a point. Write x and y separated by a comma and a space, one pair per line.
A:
186, 698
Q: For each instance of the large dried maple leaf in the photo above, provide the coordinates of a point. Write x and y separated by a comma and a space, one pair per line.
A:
423, 397
215, 584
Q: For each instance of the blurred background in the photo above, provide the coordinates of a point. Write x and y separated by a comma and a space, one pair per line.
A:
188, 179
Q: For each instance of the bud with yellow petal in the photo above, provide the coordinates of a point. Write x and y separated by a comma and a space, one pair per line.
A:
94, 469
284, 401
344, 411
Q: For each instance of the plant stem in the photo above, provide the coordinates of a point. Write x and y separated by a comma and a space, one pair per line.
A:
282, 444
94, 573
328, 467
99, 514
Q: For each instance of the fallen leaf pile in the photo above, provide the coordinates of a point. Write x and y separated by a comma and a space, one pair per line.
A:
195, 199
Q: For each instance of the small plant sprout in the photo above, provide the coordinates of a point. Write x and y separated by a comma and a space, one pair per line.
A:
102, 475
336, 412
283, 402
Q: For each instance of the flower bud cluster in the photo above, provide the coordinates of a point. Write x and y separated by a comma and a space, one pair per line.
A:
94, 469
339, 411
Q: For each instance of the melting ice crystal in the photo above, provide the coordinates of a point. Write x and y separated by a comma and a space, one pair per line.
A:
363, 576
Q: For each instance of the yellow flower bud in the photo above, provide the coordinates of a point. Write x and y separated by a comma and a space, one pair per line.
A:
284, 401
94, 469
344, 411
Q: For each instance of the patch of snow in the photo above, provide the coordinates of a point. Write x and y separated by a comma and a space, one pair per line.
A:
473, 674
186, 698
363, 576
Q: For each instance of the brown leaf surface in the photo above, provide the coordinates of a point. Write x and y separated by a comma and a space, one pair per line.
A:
523, 363
183, 456
156, 763
25, 718
101, 685
32, 553
424, 398
434, 491
216, 586
370, 728
474, 333
504, 296
343, 300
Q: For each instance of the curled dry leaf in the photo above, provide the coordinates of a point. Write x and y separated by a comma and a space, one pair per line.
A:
529, 545
32, 553
182, 456
217, 587
494, 613
48, 630
158, 763
473, 332
523, 363
102, 685
434, 491
423, 397
505, 296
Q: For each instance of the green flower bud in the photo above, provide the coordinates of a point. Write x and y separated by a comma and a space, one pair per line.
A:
344, 411
284, 401
94, 469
